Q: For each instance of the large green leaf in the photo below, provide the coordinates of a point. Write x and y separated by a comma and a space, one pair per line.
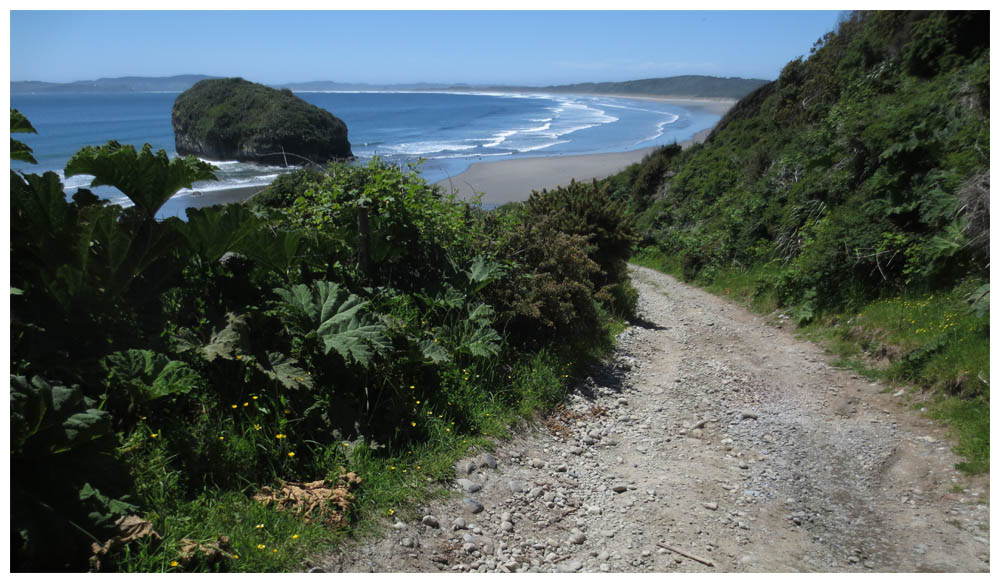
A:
117, 253
147, 179
482, 273
286, 371
275, 249
19, 150
232, 340
48, 418
149, 375
433, 351
336, 316
213, 231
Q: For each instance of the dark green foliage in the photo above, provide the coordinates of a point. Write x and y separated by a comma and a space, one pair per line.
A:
687, 85
357, 306
147, 179
858, 180
60, 441
226, 119
848, 169
20, 150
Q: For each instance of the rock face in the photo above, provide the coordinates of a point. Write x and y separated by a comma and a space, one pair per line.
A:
234, 119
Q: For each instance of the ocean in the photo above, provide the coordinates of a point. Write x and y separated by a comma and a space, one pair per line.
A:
449, 131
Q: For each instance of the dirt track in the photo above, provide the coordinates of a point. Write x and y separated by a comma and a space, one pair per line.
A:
714, 442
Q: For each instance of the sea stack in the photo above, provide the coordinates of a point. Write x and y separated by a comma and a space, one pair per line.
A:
234, 119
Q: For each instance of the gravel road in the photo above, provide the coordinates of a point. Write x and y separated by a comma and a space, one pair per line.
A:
714, 441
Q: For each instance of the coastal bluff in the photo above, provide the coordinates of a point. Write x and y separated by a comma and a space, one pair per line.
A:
235, 119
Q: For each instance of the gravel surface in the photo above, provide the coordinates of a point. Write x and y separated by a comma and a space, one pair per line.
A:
714, 441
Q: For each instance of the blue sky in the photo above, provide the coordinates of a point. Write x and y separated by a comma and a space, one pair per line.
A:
530, 47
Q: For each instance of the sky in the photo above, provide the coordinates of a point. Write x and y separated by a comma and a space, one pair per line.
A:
390, 46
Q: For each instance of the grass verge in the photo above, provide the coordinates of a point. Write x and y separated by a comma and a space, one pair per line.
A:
394, 483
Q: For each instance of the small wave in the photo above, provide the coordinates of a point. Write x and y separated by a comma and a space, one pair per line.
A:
419, 148
542, 146
499, 138
468, 156
540, 128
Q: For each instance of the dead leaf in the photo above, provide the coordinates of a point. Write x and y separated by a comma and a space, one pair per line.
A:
330, 502
130, 528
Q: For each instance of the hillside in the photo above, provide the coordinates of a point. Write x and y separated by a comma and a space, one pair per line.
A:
687, 85
110, 85
852, 192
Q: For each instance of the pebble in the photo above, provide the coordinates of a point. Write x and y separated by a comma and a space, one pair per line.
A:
619, 488
506, 526
465, 467
459, 524
431, 521
515, 486
577, 450
710, 505
570, 566
537, 463
748, 415
469, 486
471, 505
578, 538
489, 461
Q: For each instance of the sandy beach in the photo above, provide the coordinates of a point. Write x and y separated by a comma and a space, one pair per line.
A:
513, 180
506, 181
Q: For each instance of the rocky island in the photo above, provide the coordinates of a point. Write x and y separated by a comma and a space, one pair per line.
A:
235, 119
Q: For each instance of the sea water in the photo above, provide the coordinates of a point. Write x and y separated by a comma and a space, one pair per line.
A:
446, 132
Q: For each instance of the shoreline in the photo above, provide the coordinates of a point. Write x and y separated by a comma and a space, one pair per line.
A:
504, 181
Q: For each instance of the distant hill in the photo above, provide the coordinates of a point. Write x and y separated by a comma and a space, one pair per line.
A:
687, 85
110, 85
335, 86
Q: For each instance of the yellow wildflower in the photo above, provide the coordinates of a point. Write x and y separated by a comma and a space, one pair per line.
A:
291, 454
174, 563
261, 546
259, 526
221, 438
233, 406
295, 536
154, 435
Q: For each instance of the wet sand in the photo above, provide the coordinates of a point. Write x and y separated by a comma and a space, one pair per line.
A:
514, 180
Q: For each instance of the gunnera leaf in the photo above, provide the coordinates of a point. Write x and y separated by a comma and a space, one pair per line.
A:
229, 341
150, 375
49, 418
286, 371
337, 318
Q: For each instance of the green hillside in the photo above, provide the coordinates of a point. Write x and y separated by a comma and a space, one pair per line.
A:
688, 85
853, 191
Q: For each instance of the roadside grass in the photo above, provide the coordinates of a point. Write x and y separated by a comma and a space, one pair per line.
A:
929, 340
473, 409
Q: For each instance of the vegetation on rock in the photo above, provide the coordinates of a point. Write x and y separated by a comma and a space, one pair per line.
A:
234, 119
